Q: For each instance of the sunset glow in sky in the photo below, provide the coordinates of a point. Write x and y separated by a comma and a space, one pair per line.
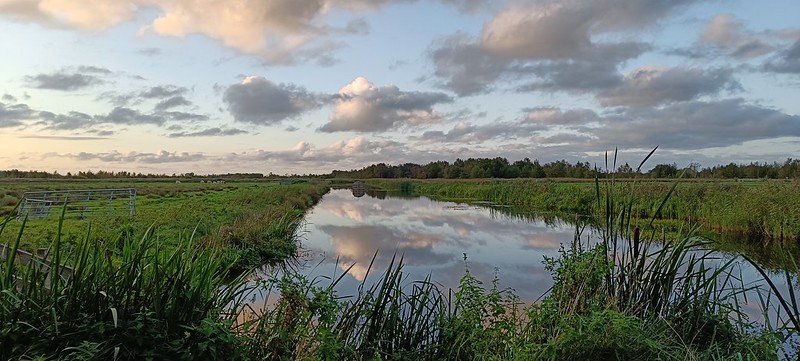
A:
308, 86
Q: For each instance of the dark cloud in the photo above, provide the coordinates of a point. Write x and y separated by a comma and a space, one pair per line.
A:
63, 81
550, 43
465, 67
595, 69
563, 30
363, 107
210, 132
684, 125
786, 61
13, 115
697, 124
123, 115
70, 121
465, 133
173, 102
162, 91
260, 101
9, 98
653, 86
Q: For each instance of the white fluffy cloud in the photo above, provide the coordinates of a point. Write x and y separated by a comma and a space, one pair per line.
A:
364, 107
278, 31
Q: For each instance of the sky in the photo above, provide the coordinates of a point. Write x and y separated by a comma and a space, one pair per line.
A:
309, 86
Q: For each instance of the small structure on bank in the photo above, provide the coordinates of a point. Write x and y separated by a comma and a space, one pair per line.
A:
78, 203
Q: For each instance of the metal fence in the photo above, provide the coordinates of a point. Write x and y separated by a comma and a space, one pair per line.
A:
80, 203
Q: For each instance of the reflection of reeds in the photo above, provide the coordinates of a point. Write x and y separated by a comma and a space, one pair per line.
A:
766, 210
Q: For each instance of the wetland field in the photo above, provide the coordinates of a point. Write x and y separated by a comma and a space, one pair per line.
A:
407, 269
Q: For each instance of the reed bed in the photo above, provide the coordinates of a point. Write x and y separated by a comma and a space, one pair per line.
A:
764, 210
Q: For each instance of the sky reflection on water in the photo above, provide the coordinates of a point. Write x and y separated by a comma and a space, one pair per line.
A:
433, 238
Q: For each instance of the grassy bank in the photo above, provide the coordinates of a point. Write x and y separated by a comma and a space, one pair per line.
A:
254, 222
760, 209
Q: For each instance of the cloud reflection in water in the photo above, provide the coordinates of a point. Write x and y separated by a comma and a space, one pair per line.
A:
433, 237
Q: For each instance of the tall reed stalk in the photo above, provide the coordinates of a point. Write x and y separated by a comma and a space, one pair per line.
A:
129, 299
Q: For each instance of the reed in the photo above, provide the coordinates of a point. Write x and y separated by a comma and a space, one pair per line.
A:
130, 299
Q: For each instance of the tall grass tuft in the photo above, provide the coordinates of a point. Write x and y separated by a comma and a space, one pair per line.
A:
129, 299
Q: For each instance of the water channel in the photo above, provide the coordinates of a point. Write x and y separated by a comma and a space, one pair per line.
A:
346, 229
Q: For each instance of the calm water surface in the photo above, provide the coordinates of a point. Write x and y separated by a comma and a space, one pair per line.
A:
434, 238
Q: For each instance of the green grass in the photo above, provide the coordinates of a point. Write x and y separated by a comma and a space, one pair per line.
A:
139, 294
762, 213
254, 221
127, 299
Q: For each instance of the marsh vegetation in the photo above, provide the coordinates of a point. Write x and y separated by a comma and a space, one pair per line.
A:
177, 292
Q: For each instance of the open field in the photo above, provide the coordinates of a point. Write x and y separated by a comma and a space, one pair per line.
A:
254, 221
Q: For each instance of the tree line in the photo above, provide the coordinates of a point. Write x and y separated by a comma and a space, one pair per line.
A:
501, 168
101, 174
475, 168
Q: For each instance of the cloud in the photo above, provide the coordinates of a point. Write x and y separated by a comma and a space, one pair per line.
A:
594, 69
465, 133
182, 116
12, 115
363, 107
551, 43
210, 132
726, 34
135, 157
63, 137
123, 115
465, 67
683, 125
651, 86
563, 29
63, 80
91, 15
698, 124
9, 98
176, 101
469, 6
357, 151
70, 121
260, 101
162, 91
786, 61
277, 31
93, 69
357, 244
